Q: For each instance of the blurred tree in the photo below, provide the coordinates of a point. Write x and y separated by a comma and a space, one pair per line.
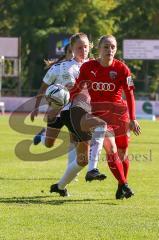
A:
139, 20
34, 20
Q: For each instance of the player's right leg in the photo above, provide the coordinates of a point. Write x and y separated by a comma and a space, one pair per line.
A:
52, 121
82, 150
48, 139
48, 135
37, 137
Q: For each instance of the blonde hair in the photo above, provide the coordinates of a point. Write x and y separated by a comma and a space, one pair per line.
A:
105, 37
78, 36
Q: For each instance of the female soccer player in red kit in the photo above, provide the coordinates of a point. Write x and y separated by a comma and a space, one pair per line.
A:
106, 79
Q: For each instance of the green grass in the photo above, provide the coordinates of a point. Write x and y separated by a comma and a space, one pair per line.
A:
29, 211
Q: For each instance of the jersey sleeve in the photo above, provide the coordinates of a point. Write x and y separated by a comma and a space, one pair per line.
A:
69, 75
128, 83
131, 104
50, 76
128, 87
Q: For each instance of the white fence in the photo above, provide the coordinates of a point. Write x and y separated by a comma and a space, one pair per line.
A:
144, 109
20, 104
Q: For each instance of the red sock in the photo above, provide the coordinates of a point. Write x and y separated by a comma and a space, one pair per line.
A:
126, 164
116, 167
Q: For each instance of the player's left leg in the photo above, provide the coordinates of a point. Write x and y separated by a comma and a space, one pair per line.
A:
82, 150
122, 146
113, 159
123, 154
122, 143
116, 167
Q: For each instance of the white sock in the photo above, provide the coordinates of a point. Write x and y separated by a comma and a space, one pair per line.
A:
72, 153
96, 146
70, 173
43, 137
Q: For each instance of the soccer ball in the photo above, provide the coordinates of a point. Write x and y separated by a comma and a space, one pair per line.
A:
57, 94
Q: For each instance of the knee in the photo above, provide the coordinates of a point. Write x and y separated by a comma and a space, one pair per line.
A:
123, 154
89, 122
113, 149
82, 160
49, 144
82, 163
110, 149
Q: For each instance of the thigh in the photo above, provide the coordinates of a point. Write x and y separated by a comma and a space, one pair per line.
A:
52, 114
115, 115
89, 122
76, 115
83, 123
65, 117
53, 129
55, 122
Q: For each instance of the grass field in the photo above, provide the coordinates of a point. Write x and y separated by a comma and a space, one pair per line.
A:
29, 212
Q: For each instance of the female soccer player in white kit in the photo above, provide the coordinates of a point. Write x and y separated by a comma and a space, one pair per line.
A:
65, 73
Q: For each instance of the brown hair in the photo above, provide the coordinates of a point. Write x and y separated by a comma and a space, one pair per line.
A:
103, 38
50, 62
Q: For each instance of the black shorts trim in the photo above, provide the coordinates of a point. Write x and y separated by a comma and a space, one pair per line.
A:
71, 119
55, 123
76, 114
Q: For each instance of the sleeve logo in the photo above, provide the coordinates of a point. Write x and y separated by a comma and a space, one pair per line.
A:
130, 81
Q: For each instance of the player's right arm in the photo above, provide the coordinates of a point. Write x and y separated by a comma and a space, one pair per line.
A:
48, 79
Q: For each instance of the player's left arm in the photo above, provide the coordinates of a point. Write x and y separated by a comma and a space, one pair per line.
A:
128, 87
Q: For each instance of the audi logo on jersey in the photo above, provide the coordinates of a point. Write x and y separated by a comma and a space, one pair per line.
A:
100, 86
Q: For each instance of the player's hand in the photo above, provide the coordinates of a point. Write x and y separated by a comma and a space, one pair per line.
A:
34, 114
135, 127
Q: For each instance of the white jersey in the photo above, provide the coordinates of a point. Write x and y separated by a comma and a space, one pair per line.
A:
64, 73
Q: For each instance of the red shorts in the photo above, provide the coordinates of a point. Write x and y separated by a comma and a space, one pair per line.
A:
116, 117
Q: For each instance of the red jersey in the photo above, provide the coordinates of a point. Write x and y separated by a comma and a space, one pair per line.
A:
106, 84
